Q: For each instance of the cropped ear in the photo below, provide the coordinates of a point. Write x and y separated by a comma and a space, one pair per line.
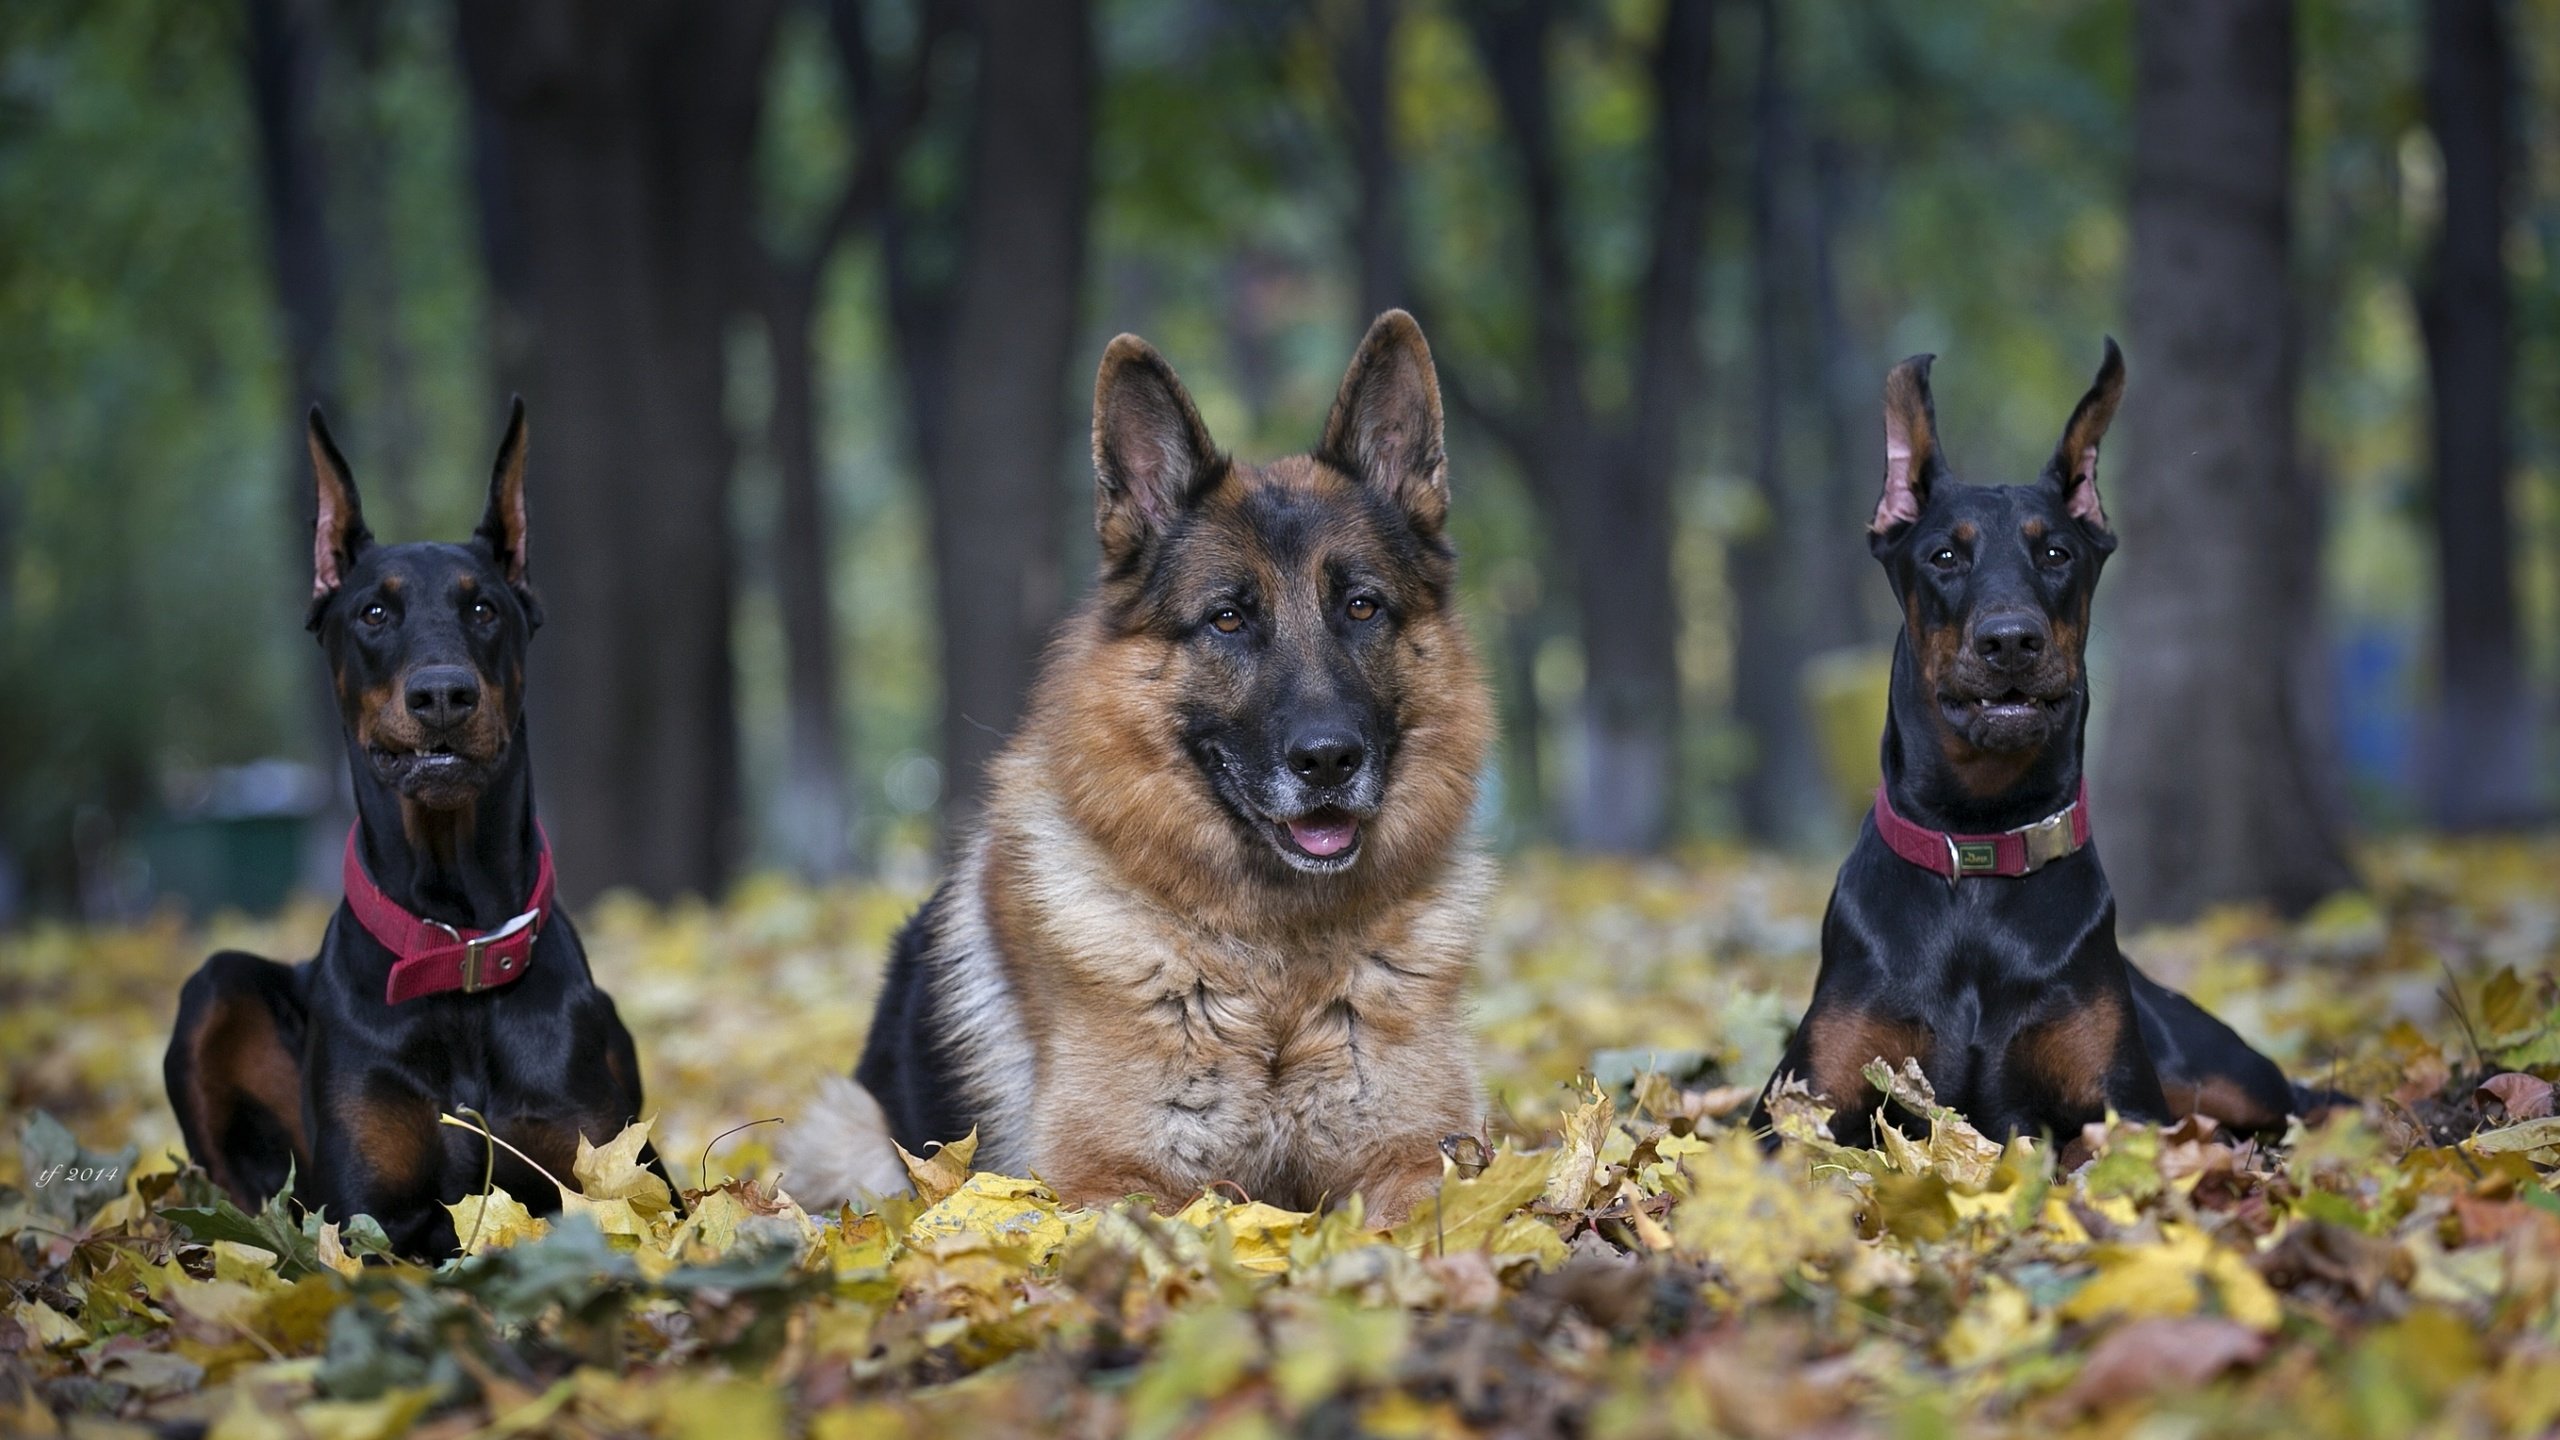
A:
502, 524
1911, 463
1151, 455
2074, 468
1385, 427
338, 535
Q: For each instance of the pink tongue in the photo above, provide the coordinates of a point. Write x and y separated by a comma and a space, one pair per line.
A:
1327, 832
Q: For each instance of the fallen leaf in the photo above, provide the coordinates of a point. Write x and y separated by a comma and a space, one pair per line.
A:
2525, 1097
943, 1170
482, 1222
1576, 1172
2173, 1276
2149, 1356
1466, 1213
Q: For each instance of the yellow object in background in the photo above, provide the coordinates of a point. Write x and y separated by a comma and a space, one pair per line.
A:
1844, 697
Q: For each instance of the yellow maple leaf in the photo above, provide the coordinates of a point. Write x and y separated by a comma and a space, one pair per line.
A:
1469, 1211
1758, 1222
48, 1326
1259, 1235
2173, 1276
2000, 1321
380, 1418
333, 1252
614, 1171
1002, 1210
482, 1221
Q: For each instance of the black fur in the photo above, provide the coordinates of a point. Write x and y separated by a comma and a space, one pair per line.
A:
907, 1064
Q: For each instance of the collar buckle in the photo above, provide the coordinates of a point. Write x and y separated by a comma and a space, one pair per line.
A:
2047, 840
472, 950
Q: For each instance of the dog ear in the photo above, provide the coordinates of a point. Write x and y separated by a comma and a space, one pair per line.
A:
1151, 454
502, 524
2074, 467
338, 535
1911, 463
1385, 427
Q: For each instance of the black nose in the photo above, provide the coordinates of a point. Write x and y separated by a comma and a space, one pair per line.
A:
1326, 757
2012, 641
443, 695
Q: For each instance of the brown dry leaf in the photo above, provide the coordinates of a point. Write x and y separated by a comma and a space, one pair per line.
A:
2526, 1097
2148, 1356
941, 1173
1576, 1172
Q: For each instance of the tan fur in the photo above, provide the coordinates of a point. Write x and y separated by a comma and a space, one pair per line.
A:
2074, 1053
1844, 1042
396, 1136
237, 1057
2225, 1100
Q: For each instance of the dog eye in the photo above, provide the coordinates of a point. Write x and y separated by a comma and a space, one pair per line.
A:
1362, 607
1228, 620
2053, 555
482, 611
376, 613
1944, 557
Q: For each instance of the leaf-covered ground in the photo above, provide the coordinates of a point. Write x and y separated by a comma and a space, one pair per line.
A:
1614, 1260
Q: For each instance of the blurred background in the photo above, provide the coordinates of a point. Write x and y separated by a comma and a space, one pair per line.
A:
804, 297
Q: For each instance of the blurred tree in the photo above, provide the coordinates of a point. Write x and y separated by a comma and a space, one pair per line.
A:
2485, 770
1604, 477
1774, 620
621, 140
1364, 71
2205, 794
815, 799
983, 281
150, 603
285, 44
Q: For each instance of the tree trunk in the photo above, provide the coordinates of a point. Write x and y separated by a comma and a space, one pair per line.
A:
815, 803
991, 399
1607, 486
2483, 762
2204, 793
626, 135
285, 44
1833, 567
1367, 74
1770, 603
386, 441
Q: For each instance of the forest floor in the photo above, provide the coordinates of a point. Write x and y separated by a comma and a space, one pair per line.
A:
1621, 1262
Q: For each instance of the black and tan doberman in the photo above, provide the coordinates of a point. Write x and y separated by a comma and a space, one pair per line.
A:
449, 980
1972, 928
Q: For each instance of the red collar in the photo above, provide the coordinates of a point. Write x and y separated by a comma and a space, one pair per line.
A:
2022, 851
431, 957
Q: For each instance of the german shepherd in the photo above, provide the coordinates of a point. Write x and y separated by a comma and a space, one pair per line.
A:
1217, 919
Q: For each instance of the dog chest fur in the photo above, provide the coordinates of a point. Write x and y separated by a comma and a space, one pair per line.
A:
1163, 1049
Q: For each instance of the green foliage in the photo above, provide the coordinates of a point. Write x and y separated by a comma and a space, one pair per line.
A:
1974, 167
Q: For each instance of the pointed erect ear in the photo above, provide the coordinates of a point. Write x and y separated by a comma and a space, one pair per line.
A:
1911, 463
2075, 461
1385, 427
502, 524
1151, 454
338, 535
